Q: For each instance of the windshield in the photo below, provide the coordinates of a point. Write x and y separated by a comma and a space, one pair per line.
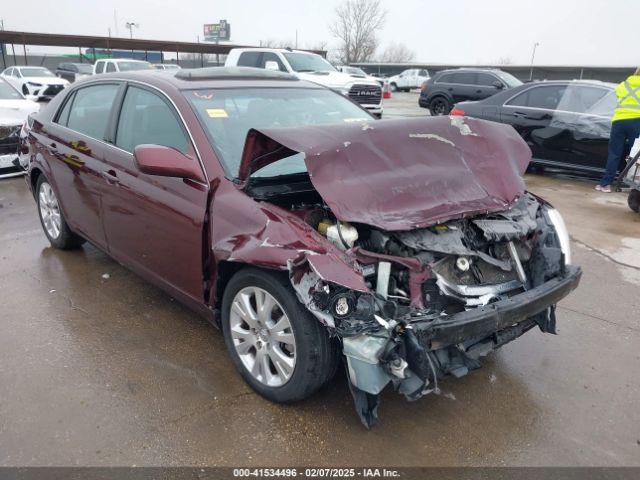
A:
308, 62
36, 72
7, 92
227, 115
84, 68
130, 66
509, 79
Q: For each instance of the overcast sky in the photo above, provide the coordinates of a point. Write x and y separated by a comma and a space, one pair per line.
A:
570, 32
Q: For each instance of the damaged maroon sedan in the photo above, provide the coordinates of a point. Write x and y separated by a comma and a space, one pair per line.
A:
307, 230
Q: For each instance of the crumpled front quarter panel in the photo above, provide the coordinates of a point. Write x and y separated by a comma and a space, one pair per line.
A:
262, 234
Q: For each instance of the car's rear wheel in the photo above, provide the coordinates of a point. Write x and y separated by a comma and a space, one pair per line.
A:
278, 347
634, 200
52, 219
439, 106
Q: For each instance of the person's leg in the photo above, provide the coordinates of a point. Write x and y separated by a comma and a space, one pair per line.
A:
616, 151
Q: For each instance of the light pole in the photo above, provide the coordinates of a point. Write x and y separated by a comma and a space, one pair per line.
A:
130, 26
533, 54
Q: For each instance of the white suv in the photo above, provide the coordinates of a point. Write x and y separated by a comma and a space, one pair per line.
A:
120, 65
311, 67
413, 78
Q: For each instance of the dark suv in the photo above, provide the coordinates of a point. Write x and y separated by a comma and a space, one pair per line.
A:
447, 87
74, 71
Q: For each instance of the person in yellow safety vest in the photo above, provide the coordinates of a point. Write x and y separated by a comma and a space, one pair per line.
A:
625, 128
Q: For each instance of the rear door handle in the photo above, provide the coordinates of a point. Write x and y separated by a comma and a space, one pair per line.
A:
52, 147
110, 176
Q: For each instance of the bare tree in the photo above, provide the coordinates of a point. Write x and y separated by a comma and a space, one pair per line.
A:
504, 61
356, 26
319, 45
277, 43
396, 53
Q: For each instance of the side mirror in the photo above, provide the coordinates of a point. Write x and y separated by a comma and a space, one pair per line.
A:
166, 162
498, 85
33, 98
271, 65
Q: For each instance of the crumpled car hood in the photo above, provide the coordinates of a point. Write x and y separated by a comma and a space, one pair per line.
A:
402, 174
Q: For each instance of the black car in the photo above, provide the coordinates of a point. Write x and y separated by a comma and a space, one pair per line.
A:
566, 123
74, 71
448, 87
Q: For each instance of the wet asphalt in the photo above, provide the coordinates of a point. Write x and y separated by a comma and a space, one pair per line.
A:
98, 367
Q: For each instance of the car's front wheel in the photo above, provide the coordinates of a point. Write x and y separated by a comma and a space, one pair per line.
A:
278, 347
439, 106
52, 219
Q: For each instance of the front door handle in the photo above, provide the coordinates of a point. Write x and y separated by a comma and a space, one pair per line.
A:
52, 147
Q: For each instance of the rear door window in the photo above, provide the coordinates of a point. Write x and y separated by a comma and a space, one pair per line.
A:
464, 78
63, 115
544, 96
146, 118
91, 108
249, 59
111, 67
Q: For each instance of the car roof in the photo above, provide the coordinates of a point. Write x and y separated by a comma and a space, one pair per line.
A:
211, 77
597, 83
470, 69
274, 50
122, 60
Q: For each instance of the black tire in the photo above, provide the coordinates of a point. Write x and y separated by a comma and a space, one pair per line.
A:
317, 355
439, 106
66, 239
394, 87
634, 200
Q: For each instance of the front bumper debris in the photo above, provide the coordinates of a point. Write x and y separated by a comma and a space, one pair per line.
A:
480, 322
413, 356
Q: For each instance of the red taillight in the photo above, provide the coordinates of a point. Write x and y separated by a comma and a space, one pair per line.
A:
457, 111
423, 87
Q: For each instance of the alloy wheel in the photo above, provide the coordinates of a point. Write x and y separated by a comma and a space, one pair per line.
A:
262, 336
439, 107
49, 210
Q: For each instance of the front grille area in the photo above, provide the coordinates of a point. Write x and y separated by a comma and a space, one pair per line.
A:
52, 90
366, 94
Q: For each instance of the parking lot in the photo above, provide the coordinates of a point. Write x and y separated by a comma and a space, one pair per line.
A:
98, 367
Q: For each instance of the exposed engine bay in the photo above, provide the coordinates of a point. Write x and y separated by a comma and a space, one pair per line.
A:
423, 277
